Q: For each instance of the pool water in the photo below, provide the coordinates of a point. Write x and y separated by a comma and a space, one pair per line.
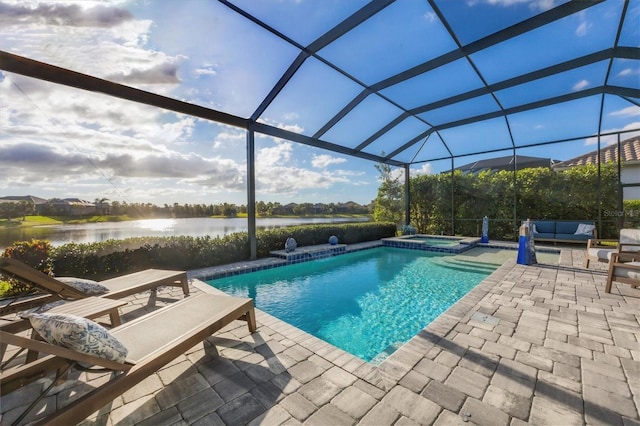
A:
435, 242
367, 303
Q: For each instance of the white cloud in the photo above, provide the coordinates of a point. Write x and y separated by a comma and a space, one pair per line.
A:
289, 180
424, 169
535, 5
430, 17
275, 155
207, 70
580, 85
324, 160
628, 72
583, 28
630, 111
611, 139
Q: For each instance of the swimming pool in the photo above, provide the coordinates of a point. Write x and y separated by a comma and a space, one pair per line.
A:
367, 303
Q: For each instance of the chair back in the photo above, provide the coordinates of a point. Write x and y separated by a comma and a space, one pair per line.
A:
629, 239
25, 273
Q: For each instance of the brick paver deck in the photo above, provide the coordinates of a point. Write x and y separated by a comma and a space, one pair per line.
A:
539, 344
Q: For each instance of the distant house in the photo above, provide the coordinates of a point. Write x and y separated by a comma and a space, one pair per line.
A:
508, 163
629, 155
72, 207
37, 202
284, 210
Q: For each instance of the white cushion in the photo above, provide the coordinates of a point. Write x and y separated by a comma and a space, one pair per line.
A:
80, 334
633, 273
584, 228
84, 286
601, 253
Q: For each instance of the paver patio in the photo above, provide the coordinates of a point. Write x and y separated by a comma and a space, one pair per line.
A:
540, 344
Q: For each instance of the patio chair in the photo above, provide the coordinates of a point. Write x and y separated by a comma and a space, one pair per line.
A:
114, 288
629, 242
624, 268
152, 341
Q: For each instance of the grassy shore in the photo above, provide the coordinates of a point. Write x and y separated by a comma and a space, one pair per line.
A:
58, 220
28, 221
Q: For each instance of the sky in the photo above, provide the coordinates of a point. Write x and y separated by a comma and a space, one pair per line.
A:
62, 142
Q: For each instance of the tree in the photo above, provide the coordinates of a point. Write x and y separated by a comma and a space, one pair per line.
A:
389, 203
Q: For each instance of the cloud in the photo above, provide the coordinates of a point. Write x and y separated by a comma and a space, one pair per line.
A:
535, 5
73, 15
630, 111
430, 17
583, 28
628, 72
163, 73
611, 139
324, 160
206, 70
424, 169
31, 163
275, 155
290, 180
580, 85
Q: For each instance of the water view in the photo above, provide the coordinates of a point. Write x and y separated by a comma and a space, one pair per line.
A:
194, 227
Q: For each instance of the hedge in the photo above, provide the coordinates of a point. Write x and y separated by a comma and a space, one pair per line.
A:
111, 258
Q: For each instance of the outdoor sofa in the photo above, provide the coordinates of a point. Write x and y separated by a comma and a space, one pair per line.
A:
563, 231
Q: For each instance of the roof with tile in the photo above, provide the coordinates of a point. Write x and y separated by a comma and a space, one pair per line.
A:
629, 153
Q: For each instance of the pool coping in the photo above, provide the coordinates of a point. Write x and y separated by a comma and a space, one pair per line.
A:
392, 368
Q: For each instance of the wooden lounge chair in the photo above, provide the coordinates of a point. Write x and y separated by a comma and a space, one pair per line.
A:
599, 251
152, 341
119, 287
624, 268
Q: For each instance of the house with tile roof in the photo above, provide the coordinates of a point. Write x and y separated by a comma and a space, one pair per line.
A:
508, 163
627, 152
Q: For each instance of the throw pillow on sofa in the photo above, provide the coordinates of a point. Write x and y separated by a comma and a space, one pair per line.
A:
585, 229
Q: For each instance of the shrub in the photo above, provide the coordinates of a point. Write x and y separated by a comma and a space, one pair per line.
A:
111, 258
34, 253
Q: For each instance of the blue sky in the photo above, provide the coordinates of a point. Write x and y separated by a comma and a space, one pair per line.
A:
61, 142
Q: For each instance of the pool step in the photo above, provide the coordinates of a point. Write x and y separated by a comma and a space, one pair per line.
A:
467, 266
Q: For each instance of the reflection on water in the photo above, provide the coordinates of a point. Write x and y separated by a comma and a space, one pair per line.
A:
193, 227
160, 225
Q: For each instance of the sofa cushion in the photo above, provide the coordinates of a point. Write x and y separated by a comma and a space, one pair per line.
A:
545, 226
566, 227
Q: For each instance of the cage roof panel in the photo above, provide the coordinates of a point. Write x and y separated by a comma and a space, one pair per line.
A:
407, 77
591, 30
312, 96
400, 36
318, 16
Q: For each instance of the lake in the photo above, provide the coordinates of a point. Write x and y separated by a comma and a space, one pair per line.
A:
194, 227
